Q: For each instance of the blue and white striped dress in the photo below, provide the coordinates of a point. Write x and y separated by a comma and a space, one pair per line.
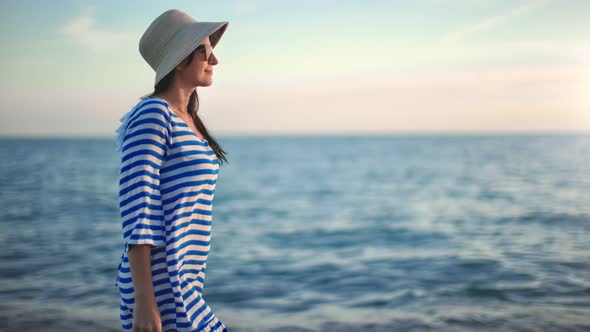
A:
166, 188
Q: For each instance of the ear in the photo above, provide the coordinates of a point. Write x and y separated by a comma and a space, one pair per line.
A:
181, 65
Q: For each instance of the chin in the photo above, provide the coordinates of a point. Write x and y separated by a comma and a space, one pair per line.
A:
205, 82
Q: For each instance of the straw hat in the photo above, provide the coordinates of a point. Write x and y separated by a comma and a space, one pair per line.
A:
172, 36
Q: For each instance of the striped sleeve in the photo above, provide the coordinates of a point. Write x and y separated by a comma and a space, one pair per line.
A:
143, 149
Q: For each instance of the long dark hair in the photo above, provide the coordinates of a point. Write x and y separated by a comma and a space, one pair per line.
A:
192, 110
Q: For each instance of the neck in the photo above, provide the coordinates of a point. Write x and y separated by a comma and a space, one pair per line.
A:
178, 97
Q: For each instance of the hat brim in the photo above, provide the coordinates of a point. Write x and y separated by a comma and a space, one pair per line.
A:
186, 41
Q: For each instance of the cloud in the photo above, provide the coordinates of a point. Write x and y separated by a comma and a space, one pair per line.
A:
491, 22
83, 30
244, 8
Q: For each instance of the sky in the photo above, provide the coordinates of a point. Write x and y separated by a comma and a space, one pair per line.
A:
72, 68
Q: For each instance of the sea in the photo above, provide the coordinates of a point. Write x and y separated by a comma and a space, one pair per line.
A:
408, 232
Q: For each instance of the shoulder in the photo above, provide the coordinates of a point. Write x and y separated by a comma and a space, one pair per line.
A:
152, 108
151, 113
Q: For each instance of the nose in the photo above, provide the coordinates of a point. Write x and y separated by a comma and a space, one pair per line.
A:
213, 59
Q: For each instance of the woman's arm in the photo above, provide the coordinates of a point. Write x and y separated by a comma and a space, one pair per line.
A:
147, 315
141, 272
144, 143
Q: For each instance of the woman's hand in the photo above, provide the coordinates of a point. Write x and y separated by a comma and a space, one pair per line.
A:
146, 316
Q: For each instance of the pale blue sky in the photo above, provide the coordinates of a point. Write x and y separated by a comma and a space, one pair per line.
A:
300, 67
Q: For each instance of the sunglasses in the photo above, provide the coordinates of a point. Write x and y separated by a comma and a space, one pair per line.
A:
208, 51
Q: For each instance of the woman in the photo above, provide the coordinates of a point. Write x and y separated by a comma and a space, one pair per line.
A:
169, 168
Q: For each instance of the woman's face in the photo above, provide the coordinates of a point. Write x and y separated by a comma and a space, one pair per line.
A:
199, 72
